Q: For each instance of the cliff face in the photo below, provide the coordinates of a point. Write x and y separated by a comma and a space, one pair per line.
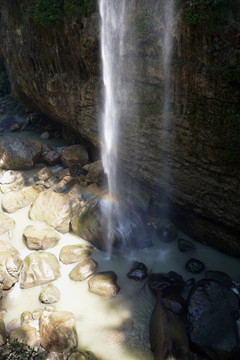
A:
56, 71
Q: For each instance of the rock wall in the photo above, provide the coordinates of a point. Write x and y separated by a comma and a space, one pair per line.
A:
194, 158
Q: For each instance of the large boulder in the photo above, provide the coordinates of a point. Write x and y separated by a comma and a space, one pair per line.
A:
16, 200
40, 239
74, 155
58, 331
211, 323
39, 268
104, 284
55, 209
168, 336
18, 153
10, 265
75, 253
6, 223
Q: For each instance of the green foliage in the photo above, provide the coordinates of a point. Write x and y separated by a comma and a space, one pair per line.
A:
49, 12
206, 12
20, 351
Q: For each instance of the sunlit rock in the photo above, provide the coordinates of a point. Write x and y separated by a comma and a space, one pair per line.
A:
54, 208
50, 295
75, 253
6, 223
74, 155
18, 153
26, 317
83, 270
11, 180
43, 174
25, 334
104, 284
58, 331
10, 265
65, 184
40, 239
39, 268
16, 200
211, 320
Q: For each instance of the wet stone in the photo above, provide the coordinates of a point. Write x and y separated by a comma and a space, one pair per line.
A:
219, 276
83, 270
50, 295
104, 284
166, 231
194, 266
185, 245
138, 271
166, 281
75, 253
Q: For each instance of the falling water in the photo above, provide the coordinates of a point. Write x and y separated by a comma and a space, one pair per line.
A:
112, 42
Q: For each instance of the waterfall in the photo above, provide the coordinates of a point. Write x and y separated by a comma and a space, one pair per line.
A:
112, 43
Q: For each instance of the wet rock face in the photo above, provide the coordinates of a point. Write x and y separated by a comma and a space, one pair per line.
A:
204, 171
210, 319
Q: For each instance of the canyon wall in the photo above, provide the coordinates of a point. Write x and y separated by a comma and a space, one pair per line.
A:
195, 158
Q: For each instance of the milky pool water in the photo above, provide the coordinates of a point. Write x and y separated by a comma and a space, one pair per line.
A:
116, 328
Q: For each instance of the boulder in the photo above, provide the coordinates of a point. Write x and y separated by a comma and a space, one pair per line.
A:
83, 270
43, 174
104, 284
25, 334
18, 153
16, 200
39, 268
95, 173
50, 295
53, 208
40, 239
210, 319
74, 155
6, 223
11, 180
75, 253
221, 277
51, 157
168, 336
58, 331
194, 266
185, 245
138, 271
82, 355
10, 265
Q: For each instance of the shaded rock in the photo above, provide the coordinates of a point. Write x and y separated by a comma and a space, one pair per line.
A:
18, 153
45, 135
50, 295
54, 356
40, 239
82, 355
63, 172
224, 279
48, 183
166, 281
166, 230
168, 336
15, 127
16, 200
104, 284
53, 208
51, 157
75, 253
12, 181
65, 184
58, 331
95, 173
43, 174
83, 270
74, 155
173, 301
10, 265
210, 320
6, 223
26, 317
189, 283
3, 333
25, 334
185, 245
39, 268
138, 271
194, 266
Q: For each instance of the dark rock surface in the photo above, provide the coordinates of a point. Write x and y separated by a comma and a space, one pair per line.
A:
194, 266
138, 271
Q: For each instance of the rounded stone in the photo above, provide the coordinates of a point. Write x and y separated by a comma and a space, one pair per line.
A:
104, 284
83, 270
75, 253
50, 295
194, 266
